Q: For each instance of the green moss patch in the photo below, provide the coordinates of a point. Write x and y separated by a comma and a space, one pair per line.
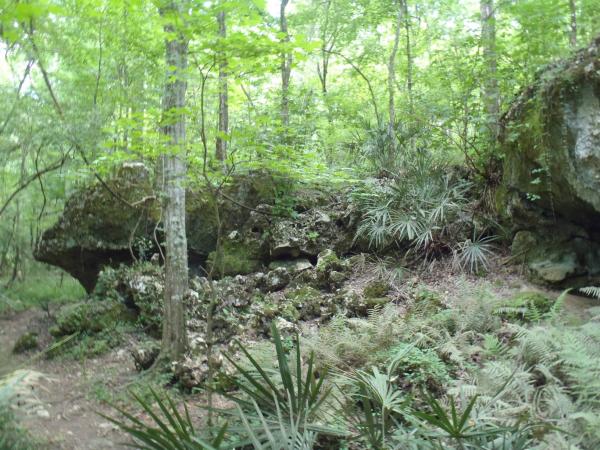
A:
236, 258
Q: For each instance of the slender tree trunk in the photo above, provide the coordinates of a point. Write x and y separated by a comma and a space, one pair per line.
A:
323, 68
573, 24
409, 58
286, 67
221, 150
490, 92
392, 83
174, 338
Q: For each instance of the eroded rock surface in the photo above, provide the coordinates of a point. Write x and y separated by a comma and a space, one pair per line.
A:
551, 182
99, 229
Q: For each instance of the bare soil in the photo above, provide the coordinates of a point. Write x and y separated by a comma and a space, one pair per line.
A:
66, 417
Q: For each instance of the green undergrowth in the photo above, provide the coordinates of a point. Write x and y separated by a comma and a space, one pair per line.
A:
42, 287
102, 388
12, 435
17, 397
91, 344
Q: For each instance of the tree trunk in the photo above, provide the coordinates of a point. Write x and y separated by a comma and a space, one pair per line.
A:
573, 24
221, 150
286, 67
392, 83
409, 58
490, 92
174, 338
323, 68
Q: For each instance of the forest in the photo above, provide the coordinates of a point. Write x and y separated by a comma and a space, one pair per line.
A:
299, 224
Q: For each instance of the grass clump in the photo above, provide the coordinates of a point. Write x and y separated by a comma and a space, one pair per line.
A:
26, 342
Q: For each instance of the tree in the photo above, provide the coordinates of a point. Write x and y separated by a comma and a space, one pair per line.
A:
573, 24
223, 128
490, 91
173, 171
409, 57
286, 66
392, 81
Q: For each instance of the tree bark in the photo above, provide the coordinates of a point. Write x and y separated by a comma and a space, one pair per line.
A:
286, 66
221, 144
490, 92
392, 83
174, 337
409, 58
323, 68
573, 24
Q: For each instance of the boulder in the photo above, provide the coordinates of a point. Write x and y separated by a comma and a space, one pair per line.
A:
277, 279
145, 355
331, 225
550, 192
89, 317
116, 222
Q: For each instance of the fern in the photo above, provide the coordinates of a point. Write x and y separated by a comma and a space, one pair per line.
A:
592, 291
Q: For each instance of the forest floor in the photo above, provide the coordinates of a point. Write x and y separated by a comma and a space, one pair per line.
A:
66, 417
76, 389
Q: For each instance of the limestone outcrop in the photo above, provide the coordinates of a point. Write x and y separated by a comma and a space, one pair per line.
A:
265, 218
550, 192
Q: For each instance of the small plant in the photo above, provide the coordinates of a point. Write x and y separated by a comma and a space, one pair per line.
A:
474, 254
298, 399
380, 405
465, 431
271, 412
169, 429
413, 209
418, 367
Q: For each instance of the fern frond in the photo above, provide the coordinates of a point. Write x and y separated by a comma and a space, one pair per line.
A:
592, 291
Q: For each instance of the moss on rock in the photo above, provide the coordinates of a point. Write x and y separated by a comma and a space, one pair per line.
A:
236, 258
89, 316
551, 171
139, 288
307, 300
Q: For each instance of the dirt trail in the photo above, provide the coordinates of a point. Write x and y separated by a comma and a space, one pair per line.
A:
66, 418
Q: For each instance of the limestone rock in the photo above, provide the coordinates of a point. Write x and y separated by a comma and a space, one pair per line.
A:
277, 279
331, 271
103, 227
145, 355
190, 372
551, 174
293, 266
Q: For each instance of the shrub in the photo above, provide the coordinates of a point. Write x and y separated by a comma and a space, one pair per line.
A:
414, 208
89, 317
28, 341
